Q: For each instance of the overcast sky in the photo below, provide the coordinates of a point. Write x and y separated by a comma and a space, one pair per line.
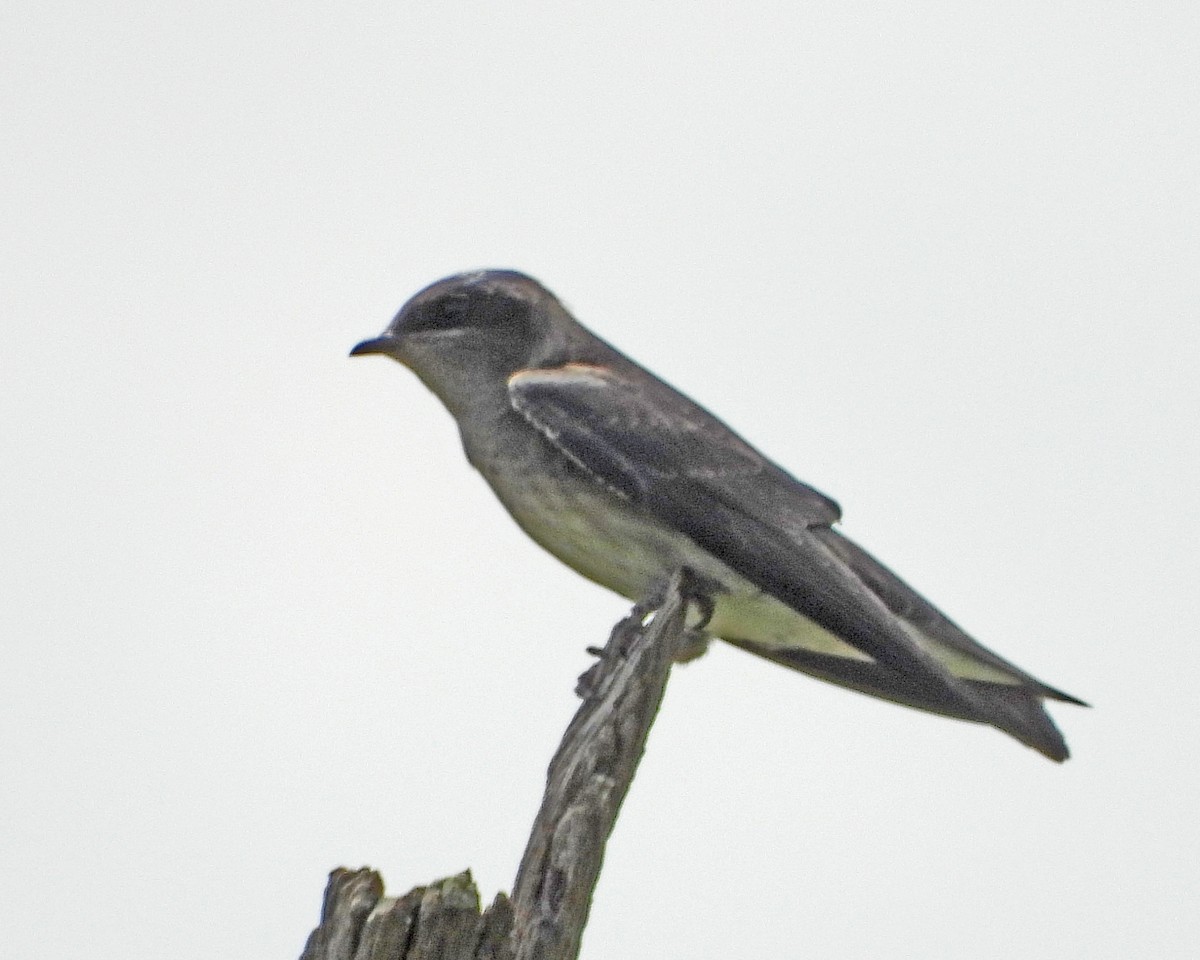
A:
260, 619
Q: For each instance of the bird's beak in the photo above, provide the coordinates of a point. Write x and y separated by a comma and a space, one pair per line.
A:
384, 344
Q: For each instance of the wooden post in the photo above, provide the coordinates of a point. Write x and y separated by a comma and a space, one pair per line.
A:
587, 781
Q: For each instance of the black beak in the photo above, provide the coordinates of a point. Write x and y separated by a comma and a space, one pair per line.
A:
384, 344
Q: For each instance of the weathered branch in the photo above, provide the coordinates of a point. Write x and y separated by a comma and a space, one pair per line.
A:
438, 922
586, 784
589, 778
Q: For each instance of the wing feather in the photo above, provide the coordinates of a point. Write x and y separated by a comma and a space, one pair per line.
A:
686, 469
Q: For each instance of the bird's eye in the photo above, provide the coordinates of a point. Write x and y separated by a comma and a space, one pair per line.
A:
455, 312
445, 313
448, 312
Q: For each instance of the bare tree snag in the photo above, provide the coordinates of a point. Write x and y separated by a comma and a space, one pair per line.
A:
438, 922
589, 778
587, 781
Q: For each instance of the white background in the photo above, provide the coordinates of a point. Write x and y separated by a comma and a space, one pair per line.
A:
259, 619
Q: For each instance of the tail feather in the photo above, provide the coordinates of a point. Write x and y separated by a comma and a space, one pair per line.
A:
1014, 709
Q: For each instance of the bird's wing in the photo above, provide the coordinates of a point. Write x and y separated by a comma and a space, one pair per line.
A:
921, 615
671, 458
638, 435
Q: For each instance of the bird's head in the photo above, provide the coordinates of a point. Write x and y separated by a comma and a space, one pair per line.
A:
468, 333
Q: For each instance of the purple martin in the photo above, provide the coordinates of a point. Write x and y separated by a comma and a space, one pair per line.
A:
625, 479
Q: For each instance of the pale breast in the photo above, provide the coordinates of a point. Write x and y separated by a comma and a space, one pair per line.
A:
605, 538
596, 533
601, 536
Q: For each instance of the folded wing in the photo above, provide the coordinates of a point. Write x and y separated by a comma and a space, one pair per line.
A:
655, 448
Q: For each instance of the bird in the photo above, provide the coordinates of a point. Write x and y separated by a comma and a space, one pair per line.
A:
625, 479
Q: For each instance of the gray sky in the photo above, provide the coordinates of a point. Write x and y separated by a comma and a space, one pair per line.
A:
260, 619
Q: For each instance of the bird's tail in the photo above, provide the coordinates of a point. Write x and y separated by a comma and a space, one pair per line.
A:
1016, 710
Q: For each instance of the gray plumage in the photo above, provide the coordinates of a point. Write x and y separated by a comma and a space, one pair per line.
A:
624, 479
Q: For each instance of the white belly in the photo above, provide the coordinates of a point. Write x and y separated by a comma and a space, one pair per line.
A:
600, 536
595, 534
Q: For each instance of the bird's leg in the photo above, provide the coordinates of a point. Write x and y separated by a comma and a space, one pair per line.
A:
699, 593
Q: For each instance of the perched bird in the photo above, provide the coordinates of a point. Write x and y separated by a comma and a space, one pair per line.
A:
625, 479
